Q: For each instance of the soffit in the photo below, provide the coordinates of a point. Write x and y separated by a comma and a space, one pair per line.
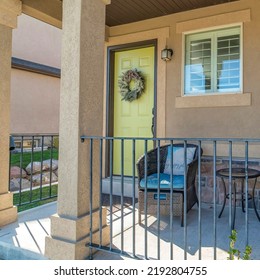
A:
119, 11
128, 11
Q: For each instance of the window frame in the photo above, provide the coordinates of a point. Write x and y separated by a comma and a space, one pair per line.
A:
200, 34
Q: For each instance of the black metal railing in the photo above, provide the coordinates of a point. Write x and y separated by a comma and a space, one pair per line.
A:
34, 169
113, 175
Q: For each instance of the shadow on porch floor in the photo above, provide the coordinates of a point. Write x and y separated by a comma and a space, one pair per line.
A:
192, 244
25, 239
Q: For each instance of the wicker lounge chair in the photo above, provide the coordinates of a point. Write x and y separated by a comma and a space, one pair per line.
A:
148, 187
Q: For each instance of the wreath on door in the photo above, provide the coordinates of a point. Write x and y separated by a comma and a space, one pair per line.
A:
131, 84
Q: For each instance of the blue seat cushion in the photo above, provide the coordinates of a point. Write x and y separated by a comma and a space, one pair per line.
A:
165, 181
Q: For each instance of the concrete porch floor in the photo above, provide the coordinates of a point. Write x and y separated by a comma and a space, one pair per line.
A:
25, 239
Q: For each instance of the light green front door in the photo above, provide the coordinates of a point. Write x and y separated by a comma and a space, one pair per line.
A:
133, 119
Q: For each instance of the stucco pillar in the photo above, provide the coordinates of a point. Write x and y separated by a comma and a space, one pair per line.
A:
9, 11
81, 106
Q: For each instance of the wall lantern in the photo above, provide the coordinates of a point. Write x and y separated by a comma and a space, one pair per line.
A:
166, 54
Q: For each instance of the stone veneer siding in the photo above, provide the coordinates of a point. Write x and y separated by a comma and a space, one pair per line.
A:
207, 180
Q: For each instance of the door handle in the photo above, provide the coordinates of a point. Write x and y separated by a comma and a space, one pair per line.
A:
152, 130
152, 127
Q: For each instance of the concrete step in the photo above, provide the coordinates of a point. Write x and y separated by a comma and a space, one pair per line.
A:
117, 186
11, 252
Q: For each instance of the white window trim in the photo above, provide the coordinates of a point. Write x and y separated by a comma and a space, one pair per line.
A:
215, 28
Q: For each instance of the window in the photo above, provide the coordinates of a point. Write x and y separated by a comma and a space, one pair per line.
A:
213, 62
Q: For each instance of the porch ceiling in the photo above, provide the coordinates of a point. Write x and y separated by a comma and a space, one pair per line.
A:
128, 11
119, 11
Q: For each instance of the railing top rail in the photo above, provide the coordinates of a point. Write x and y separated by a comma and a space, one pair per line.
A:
34, 134
255, 140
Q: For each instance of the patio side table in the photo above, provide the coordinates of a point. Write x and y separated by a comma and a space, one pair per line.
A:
238, 174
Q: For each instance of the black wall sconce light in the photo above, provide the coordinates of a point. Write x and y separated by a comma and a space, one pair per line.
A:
166, 54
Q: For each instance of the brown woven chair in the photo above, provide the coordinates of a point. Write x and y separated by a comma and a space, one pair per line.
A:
150, 193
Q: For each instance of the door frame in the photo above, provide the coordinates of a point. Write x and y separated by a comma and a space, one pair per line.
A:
110, 81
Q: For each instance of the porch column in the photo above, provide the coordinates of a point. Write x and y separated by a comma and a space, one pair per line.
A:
9, 11
81, 108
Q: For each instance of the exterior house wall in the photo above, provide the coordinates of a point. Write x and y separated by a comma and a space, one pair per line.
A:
216, 116
34, 96
215, 119
36, 41
34, 103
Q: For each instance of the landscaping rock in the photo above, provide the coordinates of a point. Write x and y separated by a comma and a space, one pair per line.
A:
36, 179
33, 173
35, 167
15, 184
48, 163
16, 172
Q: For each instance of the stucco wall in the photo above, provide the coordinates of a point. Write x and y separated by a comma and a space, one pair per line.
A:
37, 41
35, 97
34, 102
209, 121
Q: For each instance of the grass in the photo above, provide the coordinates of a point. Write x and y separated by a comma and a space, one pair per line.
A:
27, 199
39, 196
27, 157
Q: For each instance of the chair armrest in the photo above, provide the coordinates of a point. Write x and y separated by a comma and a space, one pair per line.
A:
191, 173
192, 170
152, 162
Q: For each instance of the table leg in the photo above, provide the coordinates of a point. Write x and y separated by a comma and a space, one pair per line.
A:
253, 197
243, 195
225, 197
234, 204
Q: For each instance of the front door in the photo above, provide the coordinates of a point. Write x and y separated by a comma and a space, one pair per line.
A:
133, 119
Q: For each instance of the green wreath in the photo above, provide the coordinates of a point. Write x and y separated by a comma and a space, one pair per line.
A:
133, 91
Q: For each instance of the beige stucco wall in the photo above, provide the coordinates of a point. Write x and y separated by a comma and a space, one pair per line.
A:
35, 97
37, 41
34, 102
241, 117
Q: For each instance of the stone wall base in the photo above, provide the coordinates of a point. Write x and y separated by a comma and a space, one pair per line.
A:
207, 180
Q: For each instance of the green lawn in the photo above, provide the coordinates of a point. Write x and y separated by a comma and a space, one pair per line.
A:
27, 157
27, 199
32, 199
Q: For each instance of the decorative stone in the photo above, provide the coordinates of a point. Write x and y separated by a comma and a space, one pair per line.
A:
36, 179
15, 184
17, 172
54, 164
207, 195
206, 168
35, 167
